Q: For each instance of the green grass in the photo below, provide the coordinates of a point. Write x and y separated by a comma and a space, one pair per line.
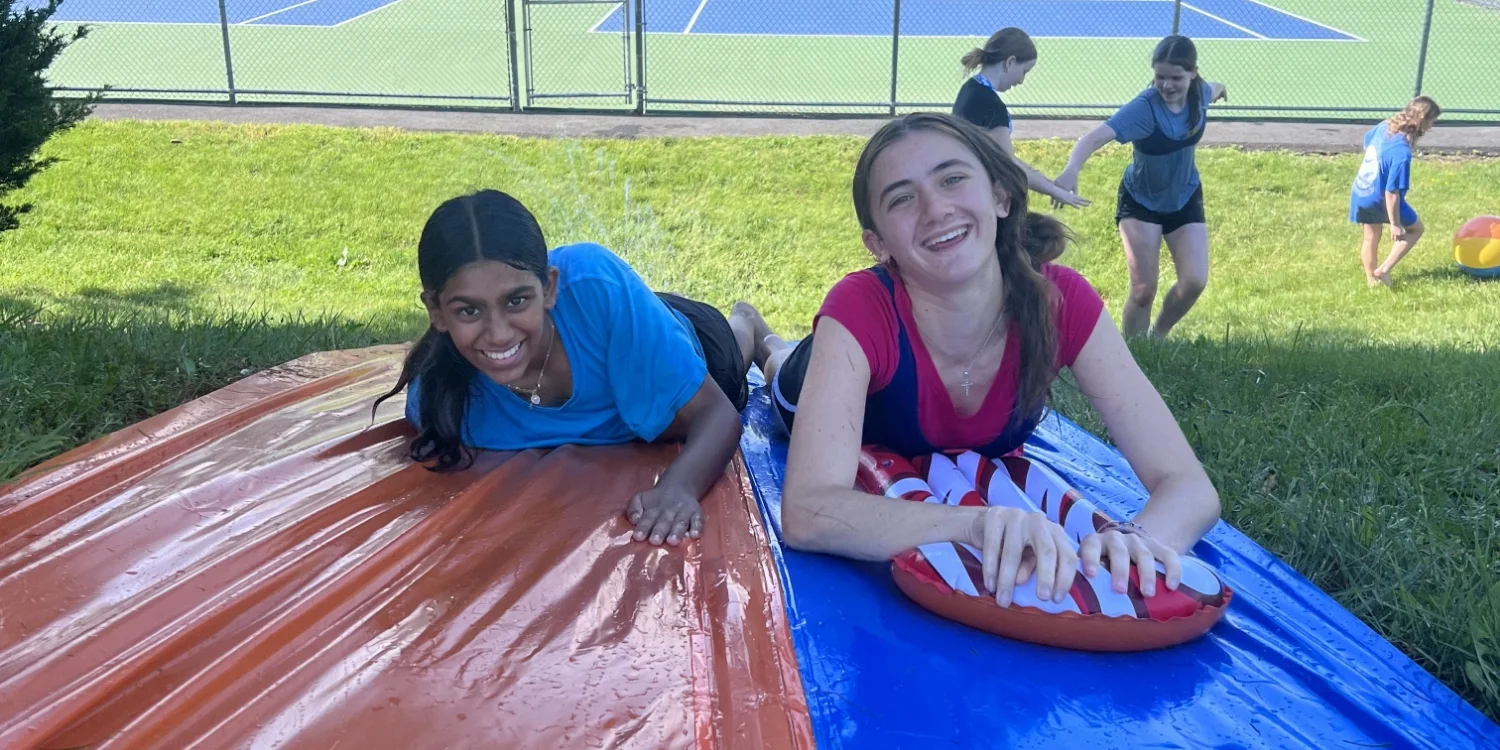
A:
1353, 432
450, 48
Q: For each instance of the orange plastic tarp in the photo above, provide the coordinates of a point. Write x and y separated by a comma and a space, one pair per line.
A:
263, 567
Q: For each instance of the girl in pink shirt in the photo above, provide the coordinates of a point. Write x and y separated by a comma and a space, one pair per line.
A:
952, 341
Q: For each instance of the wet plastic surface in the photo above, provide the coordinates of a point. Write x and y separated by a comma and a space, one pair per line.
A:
1286, 668
263, 568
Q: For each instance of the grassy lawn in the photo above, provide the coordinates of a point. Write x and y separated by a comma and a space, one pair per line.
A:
1354, 433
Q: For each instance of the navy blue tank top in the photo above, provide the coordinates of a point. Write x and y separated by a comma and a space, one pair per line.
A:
891, 416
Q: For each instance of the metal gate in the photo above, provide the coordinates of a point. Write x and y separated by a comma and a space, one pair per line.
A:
605, 69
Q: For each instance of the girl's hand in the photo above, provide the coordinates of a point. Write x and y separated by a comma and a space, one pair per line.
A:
1121, 549
1004, 536
1067, 180
1067, 185
1398, 233
1068, 198
1222, 96
665, 513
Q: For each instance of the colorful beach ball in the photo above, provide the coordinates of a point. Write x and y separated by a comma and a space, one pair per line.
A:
1476, 246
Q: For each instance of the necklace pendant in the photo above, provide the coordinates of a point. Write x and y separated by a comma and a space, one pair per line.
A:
966, 382
536, 399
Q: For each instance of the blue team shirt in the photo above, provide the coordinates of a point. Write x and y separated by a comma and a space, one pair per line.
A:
1386, 169
635, 361
1160, 182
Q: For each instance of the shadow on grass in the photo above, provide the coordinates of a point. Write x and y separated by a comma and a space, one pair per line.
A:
167, 295
66, 379
1442, 273
1373, 470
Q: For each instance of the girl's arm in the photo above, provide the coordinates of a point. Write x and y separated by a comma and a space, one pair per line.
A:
1393, 213
710, 430
1216, 92
1183, 504
1034, 179
1082, 150
822, 512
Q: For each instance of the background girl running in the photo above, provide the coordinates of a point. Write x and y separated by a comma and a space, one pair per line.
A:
1002, 63
1379, 193
1160, 193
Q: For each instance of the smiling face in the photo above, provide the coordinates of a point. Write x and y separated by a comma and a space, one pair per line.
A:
1172, 82
934, 209
496, 315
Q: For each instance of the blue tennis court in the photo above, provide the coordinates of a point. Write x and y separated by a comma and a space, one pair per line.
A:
1201, 19
239, 12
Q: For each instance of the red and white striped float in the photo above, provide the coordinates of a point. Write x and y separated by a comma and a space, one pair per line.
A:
947, 578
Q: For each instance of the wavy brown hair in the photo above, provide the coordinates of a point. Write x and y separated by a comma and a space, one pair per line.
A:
1023, 242
1416, 119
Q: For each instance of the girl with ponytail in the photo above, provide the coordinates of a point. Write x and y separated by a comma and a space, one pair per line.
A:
1160, 194
952, 342
1000, 65
528, 348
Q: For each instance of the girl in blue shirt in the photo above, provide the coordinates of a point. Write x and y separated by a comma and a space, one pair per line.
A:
534, 349
1160, 194
1379, 193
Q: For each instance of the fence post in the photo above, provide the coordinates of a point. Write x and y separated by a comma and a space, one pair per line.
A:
895, 51
640, 57
1176, 15
510, 51
228, 61
1422, 56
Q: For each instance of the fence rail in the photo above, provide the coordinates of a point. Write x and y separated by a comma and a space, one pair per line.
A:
1290, 59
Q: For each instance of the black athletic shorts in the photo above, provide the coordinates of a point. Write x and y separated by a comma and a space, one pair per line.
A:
1126, 207
788, 385
720, 350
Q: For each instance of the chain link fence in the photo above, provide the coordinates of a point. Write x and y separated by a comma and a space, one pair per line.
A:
1335, 59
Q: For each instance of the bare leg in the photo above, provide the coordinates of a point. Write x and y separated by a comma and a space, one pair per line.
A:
1399, 249
1189, 248
758, 344
1367, 252
1143, 259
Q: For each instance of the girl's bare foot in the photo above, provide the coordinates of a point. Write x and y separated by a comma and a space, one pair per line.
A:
764, 339
1384, 277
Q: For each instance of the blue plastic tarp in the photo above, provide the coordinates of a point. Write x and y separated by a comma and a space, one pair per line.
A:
1286, 668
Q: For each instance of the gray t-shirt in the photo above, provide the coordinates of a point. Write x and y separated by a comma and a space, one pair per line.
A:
1160, 182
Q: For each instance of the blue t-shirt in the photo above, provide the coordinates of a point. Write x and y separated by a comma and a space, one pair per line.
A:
1386, 169
635, 361
1160, 182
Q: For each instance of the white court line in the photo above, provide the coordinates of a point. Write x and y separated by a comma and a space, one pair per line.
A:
694, 20
1354, 37
617, 6
275, 12
981, 36
362, 15
1225, 21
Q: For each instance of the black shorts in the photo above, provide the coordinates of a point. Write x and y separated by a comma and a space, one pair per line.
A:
720, 350
1126, 207
788, 384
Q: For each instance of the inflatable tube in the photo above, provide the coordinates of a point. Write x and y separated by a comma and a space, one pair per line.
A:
947, 578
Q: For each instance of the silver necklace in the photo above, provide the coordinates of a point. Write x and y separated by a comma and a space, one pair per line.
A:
966, 384
535, 394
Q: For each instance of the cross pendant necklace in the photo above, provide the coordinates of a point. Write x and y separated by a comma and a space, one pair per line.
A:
966, 383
